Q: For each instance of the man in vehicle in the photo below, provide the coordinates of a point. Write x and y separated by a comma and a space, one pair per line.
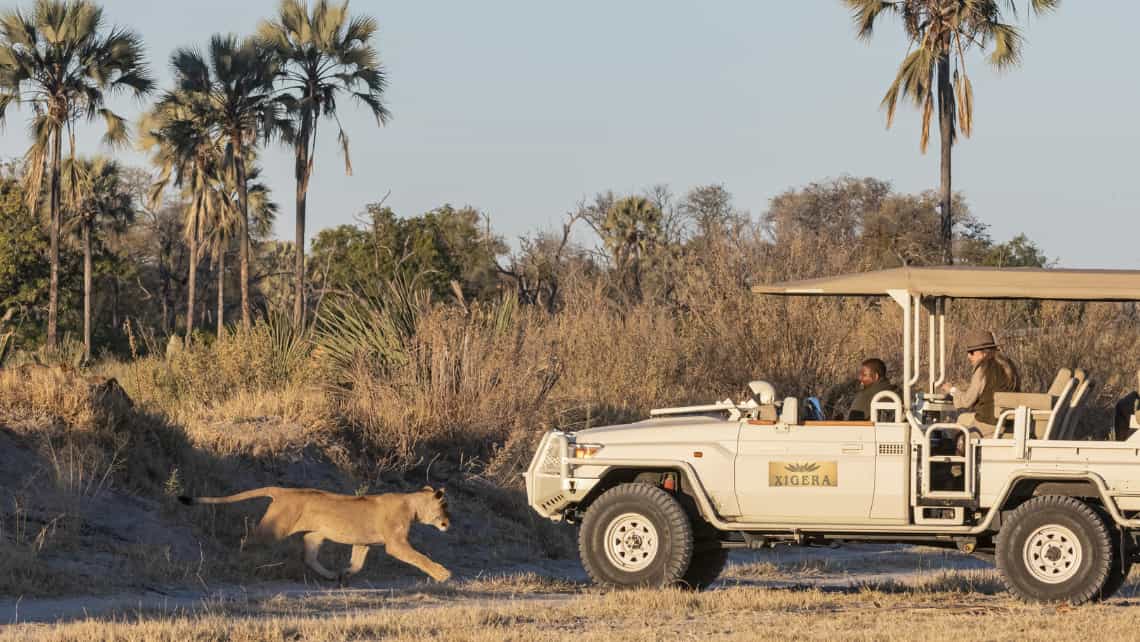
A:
992, 372
872, 380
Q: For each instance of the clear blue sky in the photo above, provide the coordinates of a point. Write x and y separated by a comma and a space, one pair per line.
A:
522, 108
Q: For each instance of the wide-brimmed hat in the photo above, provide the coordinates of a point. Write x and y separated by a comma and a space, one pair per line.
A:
980, 340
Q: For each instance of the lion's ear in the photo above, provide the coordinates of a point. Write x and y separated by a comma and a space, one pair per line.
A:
428, 489
439, 494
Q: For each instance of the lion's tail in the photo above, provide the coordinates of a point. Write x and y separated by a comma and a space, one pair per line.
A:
268, 491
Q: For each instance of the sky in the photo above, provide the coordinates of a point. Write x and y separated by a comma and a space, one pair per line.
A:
522, 108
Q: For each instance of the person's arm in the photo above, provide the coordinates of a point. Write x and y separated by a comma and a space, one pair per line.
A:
966, 399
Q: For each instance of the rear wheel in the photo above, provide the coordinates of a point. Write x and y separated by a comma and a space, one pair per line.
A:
1055, 549
636, 535
1116, 577
1121, 559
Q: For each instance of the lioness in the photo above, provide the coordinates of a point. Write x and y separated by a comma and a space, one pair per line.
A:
347, 519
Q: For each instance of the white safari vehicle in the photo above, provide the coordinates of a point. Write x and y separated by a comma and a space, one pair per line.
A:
1054, 501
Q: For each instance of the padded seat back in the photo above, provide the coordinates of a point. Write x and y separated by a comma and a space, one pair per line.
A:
1036, 400
790, 411
1078, 405
1058, 385
766, 412
1060, 409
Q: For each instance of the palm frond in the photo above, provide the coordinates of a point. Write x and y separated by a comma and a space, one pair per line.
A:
927, 117
1006, 43
913, 81
964, 96
865, 12
324, 54
35, 160
342, 139
117, 134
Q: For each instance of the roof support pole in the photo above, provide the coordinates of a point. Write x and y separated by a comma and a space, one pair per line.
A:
941, 343
917, 329
903, 298
932, 354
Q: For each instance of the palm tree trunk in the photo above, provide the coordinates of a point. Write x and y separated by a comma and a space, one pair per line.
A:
53, 290
192, 282
301, 171
946, 132
87, 225
243, 205
221, 291
164, 274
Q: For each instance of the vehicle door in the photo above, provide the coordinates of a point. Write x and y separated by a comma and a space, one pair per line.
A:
817, 472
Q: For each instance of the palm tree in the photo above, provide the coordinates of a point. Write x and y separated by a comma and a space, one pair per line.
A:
61, 61
323, 55
940, 33
234, 93
631, 229
187, 152
94, 193
227, 223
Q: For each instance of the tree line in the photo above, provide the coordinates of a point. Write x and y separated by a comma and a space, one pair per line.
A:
142, 241
62, 62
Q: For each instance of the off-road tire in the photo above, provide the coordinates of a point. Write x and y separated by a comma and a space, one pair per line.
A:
709, 558
1116, 577
640, 506
705, 567
1121, 560
1071, 542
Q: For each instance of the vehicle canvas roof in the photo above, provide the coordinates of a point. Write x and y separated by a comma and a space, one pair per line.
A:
964, 282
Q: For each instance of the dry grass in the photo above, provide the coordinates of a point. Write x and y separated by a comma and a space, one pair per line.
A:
729, 614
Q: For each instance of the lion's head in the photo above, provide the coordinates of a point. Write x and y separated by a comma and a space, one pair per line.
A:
433, 508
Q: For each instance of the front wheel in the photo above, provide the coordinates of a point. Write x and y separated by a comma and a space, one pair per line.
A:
705, 568
1055, 549
635, 535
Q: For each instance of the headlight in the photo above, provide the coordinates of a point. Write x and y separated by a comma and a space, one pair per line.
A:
585, 451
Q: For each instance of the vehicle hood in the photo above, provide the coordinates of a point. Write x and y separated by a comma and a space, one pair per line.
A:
639, 431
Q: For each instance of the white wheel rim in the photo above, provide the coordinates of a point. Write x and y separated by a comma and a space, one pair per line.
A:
1053, 554
631, 542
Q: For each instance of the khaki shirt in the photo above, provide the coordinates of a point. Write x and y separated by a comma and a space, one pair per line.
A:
979, 395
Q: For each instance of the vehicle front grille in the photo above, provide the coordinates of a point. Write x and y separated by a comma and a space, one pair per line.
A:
552, 458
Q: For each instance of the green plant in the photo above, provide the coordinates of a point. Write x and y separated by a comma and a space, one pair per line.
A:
372, 331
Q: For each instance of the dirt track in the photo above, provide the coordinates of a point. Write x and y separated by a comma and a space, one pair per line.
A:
842, 569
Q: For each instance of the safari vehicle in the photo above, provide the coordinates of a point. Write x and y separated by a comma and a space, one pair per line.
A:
1054, 501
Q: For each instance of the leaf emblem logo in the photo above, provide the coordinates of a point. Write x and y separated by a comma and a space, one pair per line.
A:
807, 467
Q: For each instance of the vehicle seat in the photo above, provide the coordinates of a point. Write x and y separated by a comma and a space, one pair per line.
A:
1060, 409
1127, 415
1058, 385
790, 411
1070, 429
811, 410
766, 412
1035, 400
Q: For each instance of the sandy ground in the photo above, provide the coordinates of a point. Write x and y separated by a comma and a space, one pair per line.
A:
842, 568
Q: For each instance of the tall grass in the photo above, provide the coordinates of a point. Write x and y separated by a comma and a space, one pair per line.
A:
417, 379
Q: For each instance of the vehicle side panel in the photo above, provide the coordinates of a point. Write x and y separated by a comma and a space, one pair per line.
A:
817, 473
